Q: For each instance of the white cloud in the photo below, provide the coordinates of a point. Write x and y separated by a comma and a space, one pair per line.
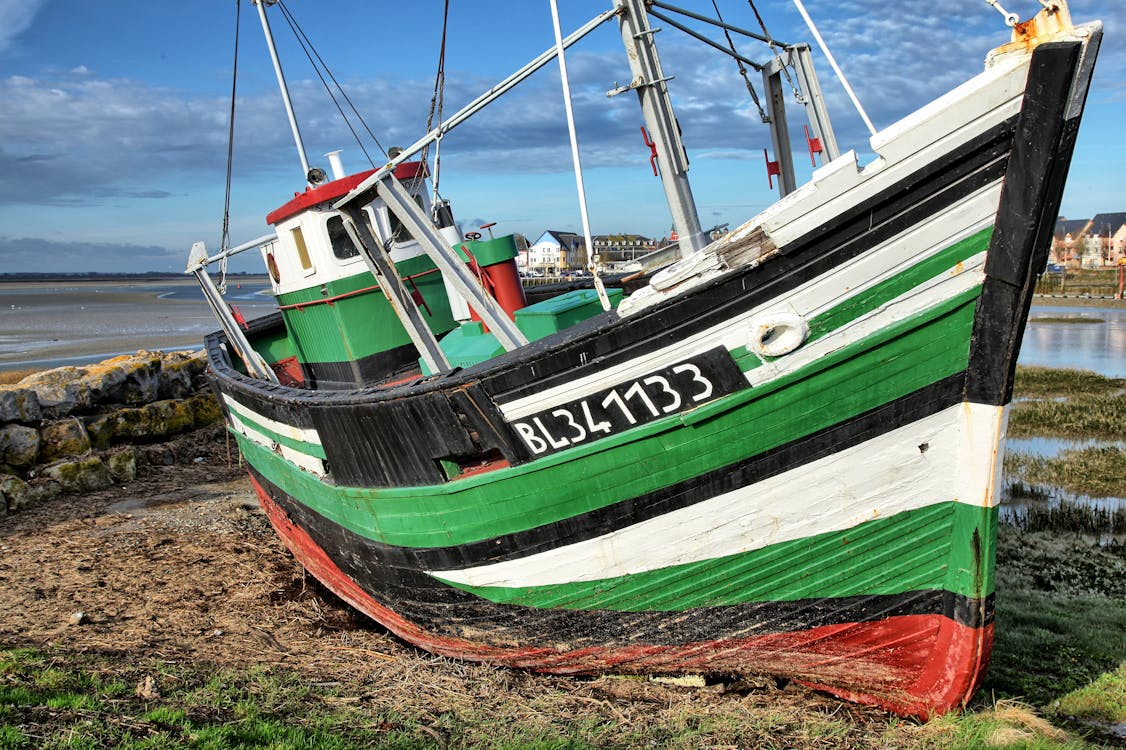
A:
77, 139
15, 17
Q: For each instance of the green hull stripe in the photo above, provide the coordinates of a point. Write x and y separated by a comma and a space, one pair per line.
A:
908, 355
361, 280
297, 445
930, 548
882, 293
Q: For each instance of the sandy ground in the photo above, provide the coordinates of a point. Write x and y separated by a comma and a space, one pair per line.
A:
181, 566
177, 564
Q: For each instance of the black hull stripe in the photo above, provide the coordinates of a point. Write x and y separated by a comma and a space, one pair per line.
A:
447, 611
621, 515
698, 489
909, 202
1030, 199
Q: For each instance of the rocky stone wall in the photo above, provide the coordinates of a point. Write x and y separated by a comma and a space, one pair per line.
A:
77, 429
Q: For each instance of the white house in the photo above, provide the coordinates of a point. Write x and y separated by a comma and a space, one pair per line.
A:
553, 252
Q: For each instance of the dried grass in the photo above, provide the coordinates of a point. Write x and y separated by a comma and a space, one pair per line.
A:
11, 377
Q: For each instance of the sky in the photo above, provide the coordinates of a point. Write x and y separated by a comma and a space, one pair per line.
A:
114, 114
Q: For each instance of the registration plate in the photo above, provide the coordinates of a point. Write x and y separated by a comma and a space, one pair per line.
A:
669, 390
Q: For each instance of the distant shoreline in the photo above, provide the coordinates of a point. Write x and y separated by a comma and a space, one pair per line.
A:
1053, 300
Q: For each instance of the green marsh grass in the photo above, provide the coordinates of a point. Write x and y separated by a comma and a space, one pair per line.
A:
1067, 403
1102, 700
1064, 319
1098, 471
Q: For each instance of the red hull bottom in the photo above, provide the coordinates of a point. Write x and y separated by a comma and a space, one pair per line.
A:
912, 665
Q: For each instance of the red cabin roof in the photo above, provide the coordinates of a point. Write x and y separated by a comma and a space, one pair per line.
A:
330, 191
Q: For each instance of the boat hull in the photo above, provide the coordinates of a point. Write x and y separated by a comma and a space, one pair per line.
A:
888, 660
657, 491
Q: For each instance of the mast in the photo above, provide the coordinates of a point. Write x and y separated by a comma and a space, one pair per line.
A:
311, 176
649, 82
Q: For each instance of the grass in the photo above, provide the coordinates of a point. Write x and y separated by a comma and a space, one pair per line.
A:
1104, 699
1099, 471
1047, 382
11, 377
61, 700
1064, 319
1067, 403
1059, 655
1060, 619
1061, 600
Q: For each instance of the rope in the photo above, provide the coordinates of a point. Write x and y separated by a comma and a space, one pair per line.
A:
437, 100
774, 48
836, 68
310, 53
739, 64
561, 57
225, 239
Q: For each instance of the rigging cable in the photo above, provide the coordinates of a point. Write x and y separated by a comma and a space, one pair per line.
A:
310, 53
437, 100
836, 68
774, 49
583, 214
225, 238
739, 64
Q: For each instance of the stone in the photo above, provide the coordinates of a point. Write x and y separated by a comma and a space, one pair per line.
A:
44, 490
19, 445
205, 409
163, 418
123, 465
151, 422
58, 390
16, 492
180, 372
19, 404
83, 475
65, 437
101, 430
132, 379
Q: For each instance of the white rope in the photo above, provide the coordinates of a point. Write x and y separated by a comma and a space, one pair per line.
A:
836, 68
575, 157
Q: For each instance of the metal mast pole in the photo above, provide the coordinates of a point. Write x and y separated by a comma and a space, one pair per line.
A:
281, 84
649, 81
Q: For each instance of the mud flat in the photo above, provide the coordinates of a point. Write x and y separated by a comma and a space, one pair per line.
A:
48, 324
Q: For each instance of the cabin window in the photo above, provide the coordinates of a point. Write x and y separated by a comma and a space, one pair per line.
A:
399, 233
302, 250
342, 246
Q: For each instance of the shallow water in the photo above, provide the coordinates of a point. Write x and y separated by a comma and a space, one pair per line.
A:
1099, 347
1049, 447
1017, 505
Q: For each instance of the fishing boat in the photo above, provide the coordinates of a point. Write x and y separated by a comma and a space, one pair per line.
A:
779, 454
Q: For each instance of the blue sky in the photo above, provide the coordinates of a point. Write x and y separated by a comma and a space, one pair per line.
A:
113, 126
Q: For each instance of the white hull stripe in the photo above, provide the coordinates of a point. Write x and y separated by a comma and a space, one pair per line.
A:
971, 215
299, 434
949, 456
311, 464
